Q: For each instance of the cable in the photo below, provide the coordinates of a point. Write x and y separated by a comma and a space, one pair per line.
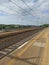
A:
20, 7
11, 9
26, 4
38, 5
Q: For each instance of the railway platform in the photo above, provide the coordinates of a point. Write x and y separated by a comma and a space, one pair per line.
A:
33, 52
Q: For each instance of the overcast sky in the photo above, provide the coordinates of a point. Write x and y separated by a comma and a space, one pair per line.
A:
32, 12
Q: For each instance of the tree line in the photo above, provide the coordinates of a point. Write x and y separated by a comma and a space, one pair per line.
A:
2, 26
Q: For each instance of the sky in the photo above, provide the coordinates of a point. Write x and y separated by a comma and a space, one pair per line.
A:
24, 12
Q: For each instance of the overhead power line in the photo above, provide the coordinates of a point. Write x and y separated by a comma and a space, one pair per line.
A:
29, 7
20, 7
10, 9
26, 5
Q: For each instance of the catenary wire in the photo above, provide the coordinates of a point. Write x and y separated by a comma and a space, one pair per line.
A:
20, 7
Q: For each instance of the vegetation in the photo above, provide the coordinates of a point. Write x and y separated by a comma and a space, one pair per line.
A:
45, 25
10, 27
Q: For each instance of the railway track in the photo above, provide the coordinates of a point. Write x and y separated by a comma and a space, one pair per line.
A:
8, 44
